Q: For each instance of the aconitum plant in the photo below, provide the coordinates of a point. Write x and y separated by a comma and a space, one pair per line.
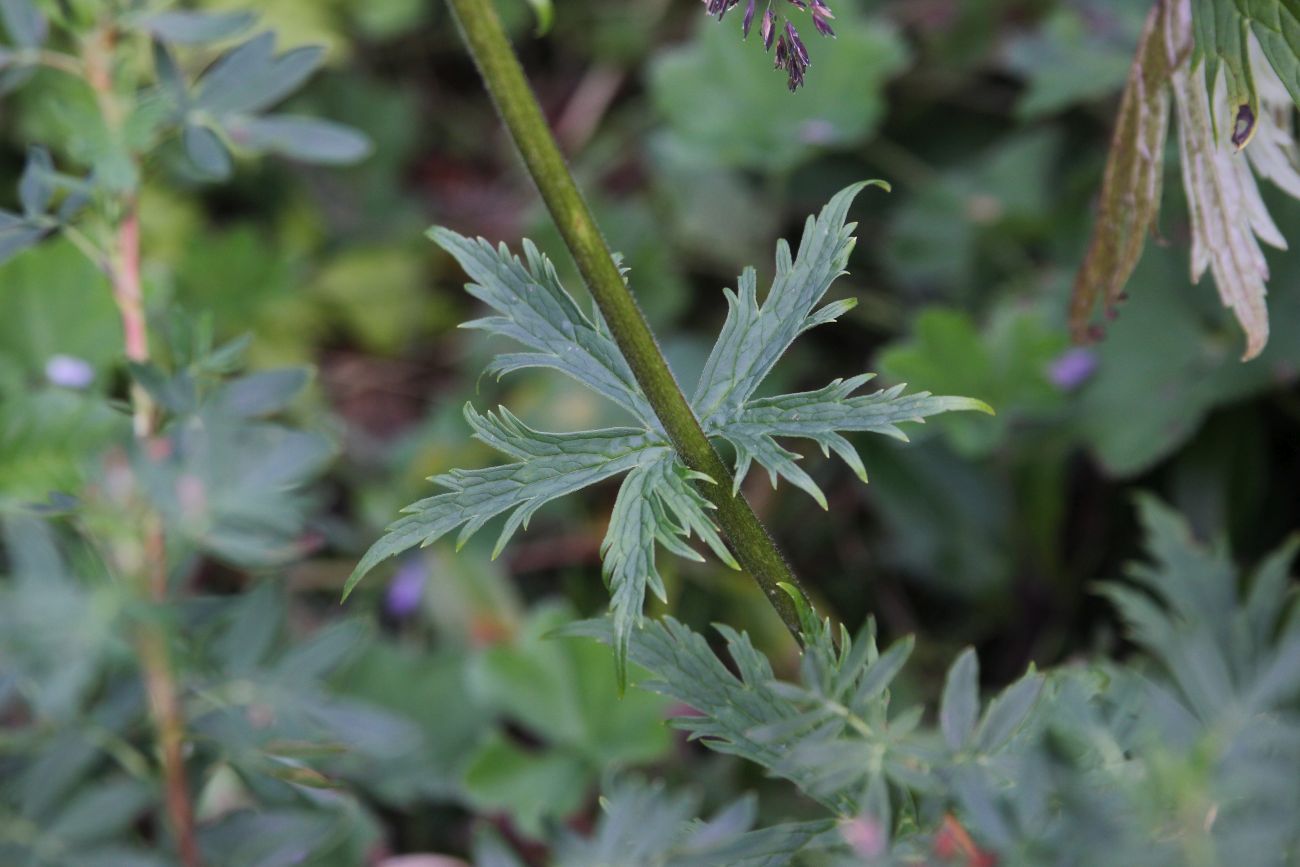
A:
166, 729
1176, 758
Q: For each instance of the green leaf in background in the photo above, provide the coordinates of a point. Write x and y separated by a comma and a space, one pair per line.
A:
1007, 365
719, 94
556, 691
1165, 363
252, 77
308, 139
185, 26
1222, 36
24, 22
960, 704
530, 786
206, 150
54, 302
641, 823
1080, 52
987, 207
63, 110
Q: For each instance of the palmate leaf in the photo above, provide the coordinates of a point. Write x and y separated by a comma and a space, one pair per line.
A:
659, 503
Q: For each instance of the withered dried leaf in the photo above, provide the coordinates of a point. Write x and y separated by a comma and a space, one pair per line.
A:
1228, 216
1130, 191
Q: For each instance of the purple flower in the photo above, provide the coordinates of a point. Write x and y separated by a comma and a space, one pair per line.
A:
1072, 368
792, 56
406, 589
791, 53
719, 7
749, 18
821, 16
866, 836
69, 372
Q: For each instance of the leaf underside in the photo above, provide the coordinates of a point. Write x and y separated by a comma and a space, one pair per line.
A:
1233, 87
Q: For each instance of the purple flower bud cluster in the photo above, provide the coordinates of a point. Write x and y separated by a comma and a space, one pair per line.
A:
791, 53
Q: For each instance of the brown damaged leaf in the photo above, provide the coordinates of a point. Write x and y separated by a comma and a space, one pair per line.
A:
1130, 191
1228, 217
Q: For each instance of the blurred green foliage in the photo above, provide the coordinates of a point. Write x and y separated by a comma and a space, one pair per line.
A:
431, 714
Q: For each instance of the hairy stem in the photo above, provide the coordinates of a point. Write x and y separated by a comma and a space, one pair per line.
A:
504, 77
150, 571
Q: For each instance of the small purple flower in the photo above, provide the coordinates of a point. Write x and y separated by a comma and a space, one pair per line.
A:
865, 836
768, 29
821, 17
817, 131
406, 589
1072, 368
68, 371
791, 54
719, 7
749, 18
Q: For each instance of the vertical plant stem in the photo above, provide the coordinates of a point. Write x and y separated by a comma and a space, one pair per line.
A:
150, 568
504, 77
125, 275
151, 639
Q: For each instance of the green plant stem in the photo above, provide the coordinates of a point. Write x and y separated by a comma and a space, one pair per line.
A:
148, 566
504, 77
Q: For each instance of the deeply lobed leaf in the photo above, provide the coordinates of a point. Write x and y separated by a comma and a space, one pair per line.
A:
755, 336
823, 416
549, 466
658, 503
